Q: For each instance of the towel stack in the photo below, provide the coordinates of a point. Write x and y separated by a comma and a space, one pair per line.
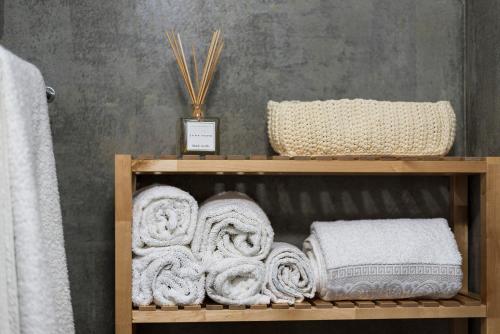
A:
225, 249
164, 270
232, 237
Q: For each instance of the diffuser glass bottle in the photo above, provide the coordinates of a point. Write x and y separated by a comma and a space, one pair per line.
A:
199, 135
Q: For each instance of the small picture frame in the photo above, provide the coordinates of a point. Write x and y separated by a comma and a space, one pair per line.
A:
200, 136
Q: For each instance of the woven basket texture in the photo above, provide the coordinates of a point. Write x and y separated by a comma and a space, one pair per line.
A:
361, 127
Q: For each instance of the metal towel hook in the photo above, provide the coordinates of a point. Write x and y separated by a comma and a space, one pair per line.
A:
51, 94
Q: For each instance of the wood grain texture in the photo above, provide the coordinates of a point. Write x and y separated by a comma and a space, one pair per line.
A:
123, 244
274, 166
386, 303
430, 303
318, 303
490, 243
467, 300
280, 306
344, 304
364, 303
314, 313
459, 222
302, 305
170, 308
407, 303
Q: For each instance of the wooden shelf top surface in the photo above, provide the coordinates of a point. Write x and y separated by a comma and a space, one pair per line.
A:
458, 307
258, 164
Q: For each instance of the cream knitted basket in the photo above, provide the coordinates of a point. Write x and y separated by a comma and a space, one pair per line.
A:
361, 127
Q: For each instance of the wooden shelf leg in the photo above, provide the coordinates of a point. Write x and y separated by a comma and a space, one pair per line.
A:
490, 246
459, 222
123, 244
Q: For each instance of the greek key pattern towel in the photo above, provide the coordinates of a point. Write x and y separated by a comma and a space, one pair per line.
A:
384, 259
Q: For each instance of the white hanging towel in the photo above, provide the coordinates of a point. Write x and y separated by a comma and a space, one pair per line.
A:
34, 287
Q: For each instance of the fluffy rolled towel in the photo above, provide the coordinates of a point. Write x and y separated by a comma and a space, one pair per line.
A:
289, 275
162, 216
384, 259
230, 224
236, 281
167, 276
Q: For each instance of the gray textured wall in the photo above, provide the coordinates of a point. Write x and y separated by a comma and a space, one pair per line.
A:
483, 77
119, 91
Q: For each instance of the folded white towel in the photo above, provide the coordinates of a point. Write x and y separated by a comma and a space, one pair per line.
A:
383, 259
167, 276
162, 216
289, 276
236, 281
232, 225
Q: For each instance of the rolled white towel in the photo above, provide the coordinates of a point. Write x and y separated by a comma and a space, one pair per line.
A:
384, 259
230, 224
289, 275
167, 276
236, 281
162, 216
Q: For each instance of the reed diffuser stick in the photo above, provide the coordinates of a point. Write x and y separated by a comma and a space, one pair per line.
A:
190, 83
211, 62
196, 74
206, 65
199, 93
182, 66
212, 70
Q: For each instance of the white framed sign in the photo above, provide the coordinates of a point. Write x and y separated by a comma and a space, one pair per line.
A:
200, 136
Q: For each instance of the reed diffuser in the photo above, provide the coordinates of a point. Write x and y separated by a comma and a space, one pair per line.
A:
199, 135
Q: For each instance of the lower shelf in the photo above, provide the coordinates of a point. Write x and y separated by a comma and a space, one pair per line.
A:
460, 306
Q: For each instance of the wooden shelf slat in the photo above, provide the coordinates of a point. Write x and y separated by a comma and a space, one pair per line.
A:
280, 306
236, 157
215, 157
364, 303
169, 308
466, 300
449, 303
343, 310
386, 303
190, 157
303, 305
258, 157
430, 303
321, 303
345, 304
212, 306
193, 164
147, 308
407, 303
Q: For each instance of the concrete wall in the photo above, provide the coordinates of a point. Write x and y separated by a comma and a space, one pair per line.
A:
483, 77
118, 90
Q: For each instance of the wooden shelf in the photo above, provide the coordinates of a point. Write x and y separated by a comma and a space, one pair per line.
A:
308, 165
459, 307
